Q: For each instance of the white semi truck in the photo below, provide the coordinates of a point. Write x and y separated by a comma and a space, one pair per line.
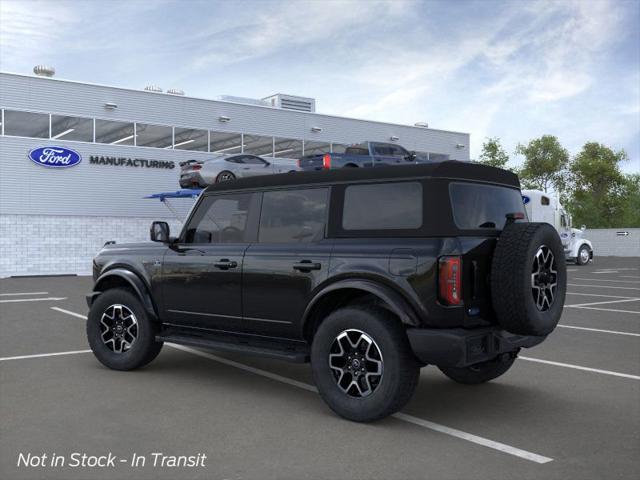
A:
542, 207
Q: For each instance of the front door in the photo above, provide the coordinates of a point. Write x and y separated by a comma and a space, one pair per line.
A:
289, 260
202, 273
387, 154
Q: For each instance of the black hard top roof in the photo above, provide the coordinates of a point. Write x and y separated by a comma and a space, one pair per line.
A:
449, 169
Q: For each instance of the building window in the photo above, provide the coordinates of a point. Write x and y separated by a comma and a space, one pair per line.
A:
114, 133
157, 136
438, 157
26, 124
191, 139
258, 145
287, 148
383, 206
338, 148
293, 216
71, 128
316, 148
225, 143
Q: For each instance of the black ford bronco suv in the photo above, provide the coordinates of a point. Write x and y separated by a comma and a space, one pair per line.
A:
369, 274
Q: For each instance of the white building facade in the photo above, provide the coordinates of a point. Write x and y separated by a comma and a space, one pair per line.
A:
128, 144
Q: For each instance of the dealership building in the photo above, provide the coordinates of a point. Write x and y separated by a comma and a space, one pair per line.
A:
77, 159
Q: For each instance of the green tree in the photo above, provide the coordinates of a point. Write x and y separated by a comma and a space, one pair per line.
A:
631, 205
600, 193
493, 154
545, 164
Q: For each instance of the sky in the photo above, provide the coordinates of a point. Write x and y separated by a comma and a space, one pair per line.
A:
509, 69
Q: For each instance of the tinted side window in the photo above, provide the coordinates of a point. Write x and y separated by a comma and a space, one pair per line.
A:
253, 160
383, 206
483, 206
221, 219
293, 216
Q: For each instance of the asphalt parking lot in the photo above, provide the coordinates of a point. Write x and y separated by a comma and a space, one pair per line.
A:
569, 408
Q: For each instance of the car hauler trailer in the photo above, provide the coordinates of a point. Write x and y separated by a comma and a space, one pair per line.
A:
542, 207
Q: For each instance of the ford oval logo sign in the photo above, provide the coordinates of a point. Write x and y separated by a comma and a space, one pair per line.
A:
55, 157
525, 199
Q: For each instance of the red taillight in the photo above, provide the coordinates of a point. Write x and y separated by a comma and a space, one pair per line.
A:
196, 167
450, 280
326, 161
299, 162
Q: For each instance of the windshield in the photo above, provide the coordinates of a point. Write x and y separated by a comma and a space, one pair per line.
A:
478, 206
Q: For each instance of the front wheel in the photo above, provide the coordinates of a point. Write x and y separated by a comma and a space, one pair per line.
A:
583, 255
120, 332
480, 372
362, 363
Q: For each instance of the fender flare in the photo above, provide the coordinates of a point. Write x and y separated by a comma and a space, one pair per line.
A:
397, 304
579, 245
136, 283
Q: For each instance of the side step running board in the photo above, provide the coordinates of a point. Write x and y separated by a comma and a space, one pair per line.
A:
297, 354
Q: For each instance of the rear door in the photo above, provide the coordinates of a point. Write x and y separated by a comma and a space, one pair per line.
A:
289, 260
201, 278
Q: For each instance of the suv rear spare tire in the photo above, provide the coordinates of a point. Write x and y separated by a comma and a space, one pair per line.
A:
528, 278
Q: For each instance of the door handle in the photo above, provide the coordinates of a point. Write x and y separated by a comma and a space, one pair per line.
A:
306, 266
225, 264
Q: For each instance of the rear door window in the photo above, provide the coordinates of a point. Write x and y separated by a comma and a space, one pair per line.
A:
293, 216
477, 206
383, 206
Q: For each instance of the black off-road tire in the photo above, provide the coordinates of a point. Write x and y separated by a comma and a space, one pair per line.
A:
400, 369
145, 347
479, 373
579, 260
512, 293
225, 176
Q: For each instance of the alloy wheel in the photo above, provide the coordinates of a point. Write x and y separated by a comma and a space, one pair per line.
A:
356, 363
118, 328
544, 278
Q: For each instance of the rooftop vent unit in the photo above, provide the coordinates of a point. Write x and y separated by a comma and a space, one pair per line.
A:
44, 71
153, 88
421, 124
291, 102
175, 91
245, 100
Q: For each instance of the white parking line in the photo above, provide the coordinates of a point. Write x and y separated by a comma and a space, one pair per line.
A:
602, 286
23, 293
533, 457
632, 299
73, 314
629, 276
579, 367
609, 310
596, 295
40, 355
600, 330
47, 299
606, 280
603, 270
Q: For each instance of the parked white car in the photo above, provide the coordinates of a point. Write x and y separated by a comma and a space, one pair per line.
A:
542, 207
200, 173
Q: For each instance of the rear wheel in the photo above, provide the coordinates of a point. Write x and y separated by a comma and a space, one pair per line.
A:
481, 372
583, 255
362, 363
225, 177
120, 333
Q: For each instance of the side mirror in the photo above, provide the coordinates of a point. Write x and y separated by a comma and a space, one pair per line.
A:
159, 232
412, 156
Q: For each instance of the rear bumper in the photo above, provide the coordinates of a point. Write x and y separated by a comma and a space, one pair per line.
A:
458, 347
188, 180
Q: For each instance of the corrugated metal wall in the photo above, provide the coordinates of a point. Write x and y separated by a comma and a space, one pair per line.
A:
86, 189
